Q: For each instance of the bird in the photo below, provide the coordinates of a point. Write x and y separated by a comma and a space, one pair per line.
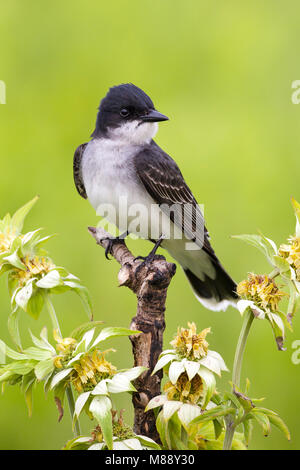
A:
123, 163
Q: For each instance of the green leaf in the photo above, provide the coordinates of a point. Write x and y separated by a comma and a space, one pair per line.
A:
28, 399
5, 223
155, 402
101, 388
24, 294
176, 369
192, 368
248, 427
79, 405
13, 326
37, 353
43, 368
75, 358
280, 424
163, 361
27, 380
265, 411
210, 382
7, 351
59, 377
85, 299
109, 332
161, 429
245, 401
18, 218
120, 383
52, 279
78, 443
218, 428
188, 413
35, 304
169, 408
80, 330
42, 343
42, 241
283, 266
147, 442
28, 240
213, 413
21, 367
133, 373
274, 419
263, 421
83, 344
230, 396
176, 434
296, 207
14, 260
175, 442
100, 407
5, 376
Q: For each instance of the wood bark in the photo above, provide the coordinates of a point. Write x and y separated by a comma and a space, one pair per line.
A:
149, 281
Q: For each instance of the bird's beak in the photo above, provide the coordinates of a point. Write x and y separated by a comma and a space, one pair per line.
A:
154, 116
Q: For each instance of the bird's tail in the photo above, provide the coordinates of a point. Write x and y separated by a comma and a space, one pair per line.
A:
215, 294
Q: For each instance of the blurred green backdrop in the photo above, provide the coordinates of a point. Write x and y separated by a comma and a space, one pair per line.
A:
222, 71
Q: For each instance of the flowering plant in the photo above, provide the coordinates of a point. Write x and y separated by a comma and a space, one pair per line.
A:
190, 412
75, 364
261, 294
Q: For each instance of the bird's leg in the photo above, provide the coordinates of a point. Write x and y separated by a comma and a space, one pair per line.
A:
152, 254
112, 241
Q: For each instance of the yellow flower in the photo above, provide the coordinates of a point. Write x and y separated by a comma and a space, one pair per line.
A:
190, 344
262, 290
291, 252
57, 361
64, 345
35, 266
6, 240
185, 390
90, 369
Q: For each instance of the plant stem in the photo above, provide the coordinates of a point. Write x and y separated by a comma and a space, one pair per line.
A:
236, 373
230, 428
52, 314
69, 391
71, 403
239, 353
274, 273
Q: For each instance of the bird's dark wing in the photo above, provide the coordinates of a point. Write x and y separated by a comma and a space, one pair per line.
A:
77, 170
164, 182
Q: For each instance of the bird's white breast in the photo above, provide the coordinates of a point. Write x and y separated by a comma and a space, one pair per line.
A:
110, 179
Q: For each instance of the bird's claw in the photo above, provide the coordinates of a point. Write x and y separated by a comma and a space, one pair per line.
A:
110, 244
147, 260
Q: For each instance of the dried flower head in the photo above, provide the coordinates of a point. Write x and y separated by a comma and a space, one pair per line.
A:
262, 290
34, 267
189, 344
64, 345
6, 240
291, 252
90, 369
185, 390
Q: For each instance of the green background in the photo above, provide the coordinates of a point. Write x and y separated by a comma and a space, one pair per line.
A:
222, 72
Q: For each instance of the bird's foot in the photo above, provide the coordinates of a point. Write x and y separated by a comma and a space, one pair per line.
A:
113, 241
152, 255
149, 258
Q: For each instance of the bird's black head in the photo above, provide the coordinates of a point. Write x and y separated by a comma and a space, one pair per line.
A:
127, 113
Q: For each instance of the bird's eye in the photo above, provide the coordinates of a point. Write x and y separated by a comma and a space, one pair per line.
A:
124, 112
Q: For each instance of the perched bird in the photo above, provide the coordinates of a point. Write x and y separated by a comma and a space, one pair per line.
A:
123, 163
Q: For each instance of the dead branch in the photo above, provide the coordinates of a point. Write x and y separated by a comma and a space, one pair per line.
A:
149, 281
